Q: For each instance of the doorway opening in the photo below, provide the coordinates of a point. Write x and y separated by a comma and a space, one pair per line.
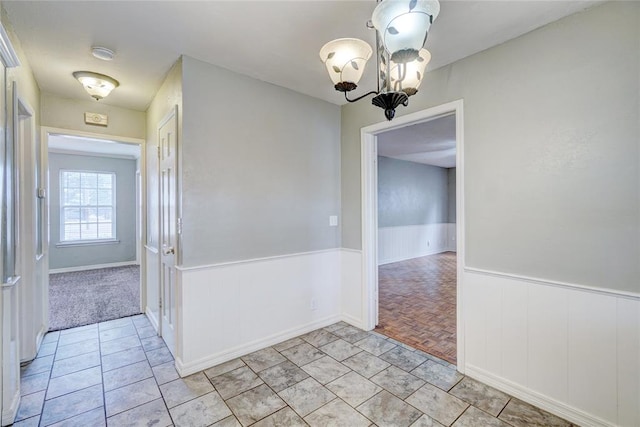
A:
95, 229
413, 230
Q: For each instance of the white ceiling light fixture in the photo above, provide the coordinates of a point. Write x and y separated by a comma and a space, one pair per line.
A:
103, 53
401, 32
96, 84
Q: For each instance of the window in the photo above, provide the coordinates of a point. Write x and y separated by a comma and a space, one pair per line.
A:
87, 210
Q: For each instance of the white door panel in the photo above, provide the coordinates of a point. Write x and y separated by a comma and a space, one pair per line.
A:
167, 145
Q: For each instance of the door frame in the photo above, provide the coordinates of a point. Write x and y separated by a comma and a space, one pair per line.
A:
44, 140
369, 192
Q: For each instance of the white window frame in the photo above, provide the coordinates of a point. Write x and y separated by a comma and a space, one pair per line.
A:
62, 207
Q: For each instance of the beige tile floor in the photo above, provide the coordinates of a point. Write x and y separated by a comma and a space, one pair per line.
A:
119, 373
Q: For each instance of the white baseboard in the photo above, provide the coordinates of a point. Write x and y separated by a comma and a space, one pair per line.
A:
541, 401
92, 267
152, 318
39, 337
413, 256
215, 359
353, 321
9, 414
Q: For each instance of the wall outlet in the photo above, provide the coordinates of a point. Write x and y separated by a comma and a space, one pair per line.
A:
314, 304
333, 221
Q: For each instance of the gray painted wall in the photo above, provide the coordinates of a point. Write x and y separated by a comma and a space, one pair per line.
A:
411, 193
551, 128
76, 256
260, 168
451, 187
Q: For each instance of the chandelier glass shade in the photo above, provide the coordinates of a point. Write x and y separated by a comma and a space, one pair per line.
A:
345, 60
403, 26
407, 76
401, 32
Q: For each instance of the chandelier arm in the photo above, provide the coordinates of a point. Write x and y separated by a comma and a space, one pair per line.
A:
373, 92
377, 60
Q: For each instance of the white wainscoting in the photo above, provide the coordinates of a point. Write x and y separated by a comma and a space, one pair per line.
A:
412, 241
352, 291
569, 349
239, 307
152, 310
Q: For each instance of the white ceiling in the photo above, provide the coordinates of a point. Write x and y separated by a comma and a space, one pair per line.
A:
432, 143
90, 146
274, 41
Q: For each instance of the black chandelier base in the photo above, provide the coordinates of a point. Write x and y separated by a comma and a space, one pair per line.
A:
388, 101
345, 86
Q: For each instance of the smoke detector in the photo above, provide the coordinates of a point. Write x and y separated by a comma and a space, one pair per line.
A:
102, 53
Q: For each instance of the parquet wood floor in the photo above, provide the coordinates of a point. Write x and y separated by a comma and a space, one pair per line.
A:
417, 303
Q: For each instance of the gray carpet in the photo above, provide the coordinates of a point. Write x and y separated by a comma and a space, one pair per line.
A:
84, 297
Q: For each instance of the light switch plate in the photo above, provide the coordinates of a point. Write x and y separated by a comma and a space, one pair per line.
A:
96, 119
333, 221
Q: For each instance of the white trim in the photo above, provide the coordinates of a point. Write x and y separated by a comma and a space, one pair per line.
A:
369, 211
369, 154
114, 219
13, 281
39, 337
8, 54
394, 260
96, 136
353, 321
546, 282
9, 414
252, 260
98, 242
355, 251
92, 154
241, 350
546, 403
460, 236
45, 131
92, 267
152, 318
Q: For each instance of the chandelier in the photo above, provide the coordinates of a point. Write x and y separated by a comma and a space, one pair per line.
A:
401, 32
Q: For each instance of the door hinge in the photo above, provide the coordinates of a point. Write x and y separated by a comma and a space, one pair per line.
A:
158, 151
179, 226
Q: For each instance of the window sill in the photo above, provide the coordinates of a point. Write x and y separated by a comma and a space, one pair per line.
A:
87, 243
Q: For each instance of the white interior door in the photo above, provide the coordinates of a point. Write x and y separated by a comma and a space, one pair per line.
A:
32, 295
11, 268
167, 145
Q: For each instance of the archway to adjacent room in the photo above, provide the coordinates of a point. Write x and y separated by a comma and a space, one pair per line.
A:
426, 256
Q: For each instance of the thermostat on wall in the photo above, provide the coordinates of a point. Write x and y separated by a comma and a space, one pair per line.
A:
96, 119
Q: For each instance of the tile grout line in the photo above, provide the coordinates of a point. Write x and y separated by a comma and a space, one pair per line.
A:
316, 349
104, 396
154, 376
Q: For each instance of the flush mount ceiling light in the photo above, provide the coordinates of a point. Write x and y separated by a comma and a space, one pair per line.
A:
401, 32
102, 53
97, 85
